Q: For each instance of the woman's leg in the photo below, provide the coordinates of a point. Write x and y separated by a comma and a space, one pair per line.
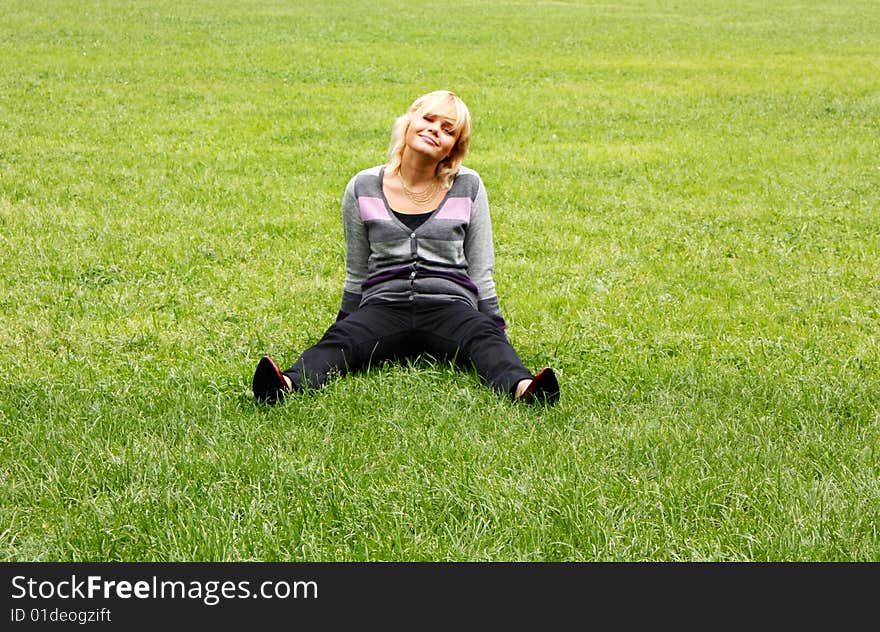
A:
456, 330
370, 335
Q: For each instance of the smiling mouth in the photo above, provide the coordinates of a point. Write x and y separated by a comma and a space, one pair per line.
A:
429, 139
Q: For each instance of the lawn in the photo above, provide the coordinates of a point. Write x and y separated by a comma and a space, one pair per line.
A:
685, 204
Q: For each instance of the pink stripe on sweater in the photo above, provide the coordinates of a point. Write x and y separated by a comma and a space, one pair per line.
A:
372, 208
456, 208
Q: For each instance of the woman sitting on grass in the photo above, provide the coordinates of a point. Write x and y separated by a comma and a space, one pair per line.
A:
419, 263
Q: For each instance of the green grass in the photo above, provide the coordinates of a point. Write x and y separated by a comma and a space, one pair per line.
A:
698, 183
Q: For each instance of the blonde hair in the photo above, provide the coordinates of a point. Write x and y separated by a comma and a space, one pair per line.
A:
439, 102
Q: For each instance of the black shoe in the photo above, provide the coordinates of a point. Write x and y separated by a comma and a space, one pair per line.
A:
544, 388
269, 385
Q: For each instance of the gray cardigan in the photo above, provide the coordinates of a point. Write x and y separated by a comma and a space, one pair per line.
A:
449, 257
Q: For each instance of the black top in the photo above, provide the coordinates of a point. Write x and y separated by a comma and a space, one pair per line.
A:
413, 221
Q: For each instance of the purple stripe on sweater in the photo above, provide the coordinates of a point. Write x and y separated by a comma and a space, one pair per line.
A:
386, 276
461, 279
372, 208
456, 208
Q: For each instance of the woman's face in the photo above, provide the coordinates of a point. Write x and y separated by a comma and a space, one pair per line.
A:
431, 134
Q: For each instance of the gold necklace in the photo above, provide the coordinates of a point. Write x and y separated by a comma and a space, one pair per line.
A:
419, 198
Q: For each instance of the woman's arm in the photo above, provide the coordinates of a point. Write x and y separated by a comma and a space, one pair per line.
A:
357, 252
480, 254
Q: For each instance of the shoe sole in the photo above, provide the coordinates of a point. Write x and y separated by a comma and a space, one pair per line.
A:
268, 384
544, 388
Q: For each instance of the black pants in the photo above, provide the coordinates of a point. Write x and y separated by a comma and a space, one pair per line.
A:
448, 330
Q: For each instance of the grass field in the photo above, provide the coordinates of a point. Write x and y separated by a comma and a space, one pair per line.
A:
685, 200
